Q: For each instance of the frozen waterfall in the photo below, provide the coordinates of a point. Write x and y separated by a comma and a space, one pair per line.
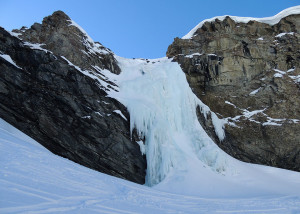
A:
162, 108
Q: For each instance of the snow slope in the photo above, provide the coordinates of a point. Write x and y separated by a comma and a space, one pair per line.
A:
33, 180
268, 20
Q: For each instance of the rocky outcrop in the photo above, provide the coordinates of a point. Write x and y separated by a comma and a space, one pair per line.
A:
64, 37
65, 107
248, 73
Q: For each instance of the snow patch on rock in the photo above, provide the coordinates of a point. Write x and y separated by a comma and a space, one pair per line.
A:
192, 55
280, 74
15, 34
255, 91
101, 83
36, 47
92, 47
120, 113
9, 59
284, 34
268, 20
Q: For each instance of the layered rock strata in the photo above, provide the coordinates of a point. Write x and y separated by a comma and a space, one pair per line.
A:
249, 74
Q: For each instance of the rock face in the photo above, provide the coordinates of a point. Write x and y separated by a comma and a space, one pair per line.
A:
248, 73
64, 37
65, 107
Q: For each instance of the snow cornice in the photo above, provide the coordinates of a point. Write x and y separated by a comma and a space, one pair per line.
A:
267, 20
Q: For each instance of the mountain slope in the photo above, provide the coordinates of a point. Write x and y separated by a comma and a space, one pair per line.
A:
247, 71
33, 180
80, 101
66, 109
64, 37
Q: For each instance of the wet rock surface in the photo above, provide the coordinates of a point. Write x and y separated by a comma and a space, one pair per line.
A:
65, 110
248, 73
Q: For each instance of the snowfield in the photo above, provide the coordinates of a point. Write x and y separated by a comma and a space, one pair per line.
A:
33, 180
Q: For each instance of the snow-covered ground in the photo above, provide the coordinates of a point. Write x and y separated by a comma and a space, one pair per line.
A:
33, 180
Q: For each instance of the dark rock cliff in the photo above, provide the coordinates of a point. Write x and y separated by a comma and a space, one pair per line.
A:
248, 73
60, 106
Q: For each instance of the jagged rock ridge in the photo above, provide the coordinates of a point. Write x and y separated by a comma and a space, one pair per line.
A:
60, 34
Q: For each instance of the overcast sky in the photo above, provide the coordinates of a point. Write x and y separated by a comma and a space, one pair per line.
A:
136, 28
